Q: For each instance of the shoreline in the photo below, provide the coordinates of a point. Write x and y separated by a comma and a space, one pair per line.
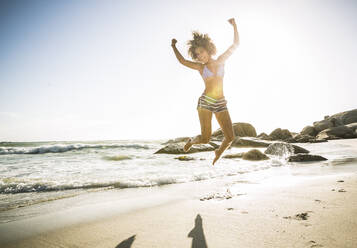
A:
301, 205
267, 208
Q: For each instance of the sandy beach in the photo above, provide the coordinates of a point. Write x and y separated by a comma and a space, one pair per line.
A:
296, 209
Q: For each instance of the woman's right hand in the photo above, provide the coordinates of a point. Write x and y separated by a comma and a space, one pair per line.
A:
232, 21
173, 42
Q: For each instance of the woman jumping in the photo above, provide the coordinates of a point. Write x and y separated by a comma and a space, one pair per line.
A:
212, 99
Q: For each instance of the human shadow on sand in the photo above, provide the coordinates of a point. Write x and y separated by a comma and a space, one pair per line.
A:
126, 243
197, 235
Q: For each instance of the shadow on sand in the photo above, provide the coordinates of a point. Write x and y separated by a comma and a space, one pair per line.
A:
126, 243
197, 235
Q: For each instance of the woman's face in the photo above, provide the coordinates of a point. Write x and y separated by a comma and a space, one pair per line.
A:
202, 54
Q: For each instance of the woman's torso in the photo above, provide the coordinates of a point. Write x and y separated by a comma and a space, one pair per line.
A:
212, 75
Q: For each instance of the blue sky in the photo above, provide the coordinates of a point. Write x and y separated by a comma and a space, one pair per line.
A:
84, 70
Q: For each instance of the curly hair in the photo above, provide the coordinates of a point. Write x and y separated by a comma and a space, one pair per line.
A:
200, 40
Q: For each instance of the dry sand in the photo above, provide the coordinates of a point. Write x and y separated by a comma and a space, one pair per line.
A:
308, 212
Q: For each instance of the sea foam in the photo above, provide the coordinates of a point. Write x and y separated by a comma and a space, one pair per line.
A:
59, 148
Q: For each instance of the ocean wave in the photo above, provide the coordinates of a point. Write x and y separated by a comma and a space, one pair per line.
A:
65, 148
23, 187
15, 186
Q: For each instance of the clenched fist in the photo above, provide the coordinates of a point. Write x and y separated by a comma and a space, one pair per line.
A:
232, 21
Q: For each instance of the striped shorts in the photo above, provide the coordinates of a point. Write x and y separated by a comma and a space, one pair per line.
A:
214, 105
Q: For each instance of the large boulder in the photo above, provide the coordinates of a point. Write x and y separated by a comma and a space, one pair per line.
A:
249, 142
346, 117
240, 129
309, 130
325, 124
305, 158
177, 148
280, 134
342, 131
336, 120
254, 154
284, 149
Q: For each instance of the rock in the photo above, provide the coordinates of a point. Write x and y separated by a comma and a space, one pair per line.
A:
241, 129
249, 142
280, 134
235, 155
290, 140
322, 125
215, 146
217, 134
353, 126
254, 154
305, 158
323, 136
317, 141
309, 130
184, 158
299, 149
293, 134
346, 117
284, 149
280, 149
304, 138
177, 148
336, 132
176, 140
218, 137
336, 120
263, 136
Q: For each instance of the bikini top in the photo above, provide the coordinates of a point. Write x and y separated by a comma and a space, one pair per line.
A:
207, 73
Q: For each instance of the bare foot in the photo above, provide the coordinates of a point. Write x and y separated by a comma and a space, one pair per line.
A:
218, 154
188, 145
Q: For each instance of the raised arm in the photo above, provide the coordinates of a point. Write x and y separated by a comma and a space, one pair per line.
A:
182, 60
222, 58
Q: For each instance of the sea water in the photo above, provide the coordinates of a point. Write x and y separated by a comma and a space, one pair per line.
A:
36, 172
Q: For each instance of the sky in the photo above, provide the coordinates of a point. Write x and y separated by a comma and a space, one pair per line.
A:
105, 70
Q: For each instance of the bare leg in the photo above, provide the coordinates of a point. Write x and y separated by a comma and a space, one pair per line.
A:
225, 122
205, 117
